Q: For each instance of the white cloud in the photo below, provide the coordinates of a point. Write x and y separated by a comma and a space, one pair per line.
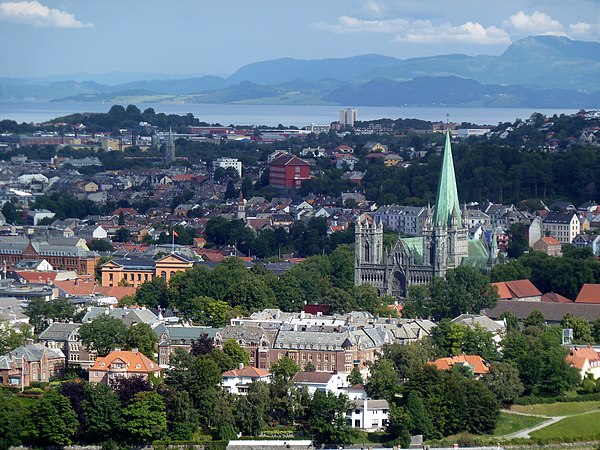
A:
469, 33
373, 8
421, 31
39, 15
536, 23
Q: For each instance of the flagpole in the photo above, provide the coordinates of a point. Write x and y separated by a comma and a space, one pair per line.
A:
173, 240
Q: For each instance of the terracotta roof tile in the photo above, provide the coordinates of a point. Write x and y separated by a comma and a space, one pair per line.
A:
553, 297
478, 364
516, 289
247, 371
589, 293
136, 362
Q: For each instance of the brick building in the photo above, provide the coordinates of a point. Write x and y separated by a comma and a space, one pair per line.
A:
288, 172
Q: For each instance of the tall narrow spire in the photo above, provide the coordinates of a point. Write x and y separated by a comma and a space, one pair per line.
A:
446, 203
170, 153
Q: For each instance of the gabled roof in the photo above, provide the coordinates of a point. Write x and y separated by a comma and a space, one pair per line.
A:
516, 289
553, 297
135, 361
589, 293
577, 357
312, 377
476, 362
287, 160
246, 372
58, 331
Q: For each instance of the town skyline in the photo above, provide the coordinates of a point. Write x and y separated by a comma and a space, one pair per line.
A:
137, 38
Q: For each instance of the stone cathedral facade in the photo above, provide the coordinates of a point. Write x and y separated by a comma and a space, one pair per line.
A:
416, 260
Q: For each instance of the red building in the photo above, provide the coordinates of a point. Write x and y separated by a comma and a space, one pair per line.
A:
288, 172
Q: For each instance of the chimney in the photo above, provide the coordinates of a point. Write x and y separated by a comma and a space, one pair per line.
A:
134, 349
240, 366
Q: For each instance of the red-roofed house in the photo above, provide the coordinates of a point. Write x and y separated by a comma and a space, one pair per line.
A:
519, 290
589, 293
548, 245
475, 363
122, 364
585, 360
553, 297
236, 381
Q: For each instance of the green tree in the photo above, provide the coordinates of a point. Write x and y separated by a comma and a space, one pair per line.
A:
284, 369
420, 420
122, 235
535, 319
252, 410
236, 352
52, 420
207, 311
103, 334
145, 418
142, 337
101, 245
182, 418
383, 383
511, 320
355, 377
518, 244
153, 294
342, 267
41, 312
326, 418
582, 331
101, 413
409, 359
11, 338
230, 191
11, 421
503, 380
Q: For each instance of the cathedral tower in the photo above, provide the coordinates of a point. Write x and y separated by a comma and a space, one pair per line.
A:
170, 153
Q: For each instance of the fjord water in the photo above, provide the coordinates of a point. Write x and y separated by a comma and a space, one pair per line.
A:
272, 115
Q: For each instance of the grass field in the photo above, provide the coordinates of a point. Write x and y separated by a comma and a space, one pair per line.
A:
585, 426
511, 423
557, 409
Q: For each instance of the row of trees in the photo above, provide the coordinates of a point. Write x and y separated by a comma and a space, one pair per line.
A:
303, 238
210, 296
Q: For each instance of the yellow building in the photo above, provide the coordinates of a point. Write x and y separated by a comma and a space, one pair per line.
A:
135, 272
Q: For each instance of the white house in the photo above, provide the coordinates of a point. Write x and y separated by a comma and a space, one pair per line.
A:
322, 381
237, 381
229, 162
370, 415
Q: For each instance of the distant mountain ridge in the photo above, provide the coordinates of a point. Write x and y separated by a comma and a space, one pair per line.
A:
541, 71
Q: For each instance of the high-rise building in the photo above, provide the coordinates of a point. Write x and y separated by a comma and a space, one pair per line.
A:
444, 243
348, 116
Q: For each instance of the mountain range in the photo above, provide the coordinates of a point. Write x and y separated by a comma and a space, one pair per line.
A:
539, 71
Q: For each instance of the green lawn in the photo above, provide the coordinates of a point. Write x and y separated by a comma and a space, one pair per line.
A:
511, 423
557, 409
585, 426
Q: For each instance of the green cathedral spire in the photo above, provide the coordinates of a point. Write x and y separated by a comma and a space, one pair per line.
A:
446, 204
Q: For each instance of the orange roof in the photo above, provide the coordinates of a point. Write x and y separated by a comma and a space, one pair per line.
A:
577, 357
550, 240
397, 307
517, 289
116, 291
77, 287
589, 293
553, 297
247, 371
135, 361
476, 362
35, 277
126, 212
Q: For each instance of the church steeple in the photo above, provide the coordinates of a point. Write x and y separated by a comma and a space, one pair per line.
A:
170, 153
446, 204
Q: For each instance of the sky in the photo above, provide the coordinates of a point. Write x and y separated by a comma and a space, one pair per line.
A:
42, 38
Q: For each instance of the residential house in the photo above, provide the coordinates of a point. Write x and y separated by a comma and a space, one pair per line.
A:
518, 290
33, 362
65, 337
475, 363
564, 227
236, 381
122, 364
589, 293
586, 360
327, 382
370, 415
588, 240
170, 338
548, 245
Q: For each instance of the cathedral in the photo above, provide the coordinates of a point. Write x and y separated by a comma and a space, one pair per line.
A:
416, 260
